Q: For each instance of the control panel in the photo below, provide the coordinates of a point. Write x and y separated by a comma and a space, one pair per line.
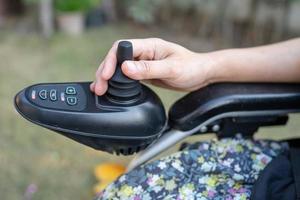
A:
58, 96
125, 120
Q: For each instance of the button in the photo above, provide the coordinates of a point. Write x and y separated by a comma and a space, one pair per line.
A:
70, 90
71, 101
53, 95
33, 94
43, 94
62, 96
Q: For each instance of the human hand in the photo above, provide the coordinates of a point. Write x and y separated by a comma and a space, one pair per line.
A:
160, 63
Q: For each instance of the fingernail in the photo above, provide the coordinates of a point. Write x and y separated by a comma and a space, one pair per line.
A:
131, 67
92, 85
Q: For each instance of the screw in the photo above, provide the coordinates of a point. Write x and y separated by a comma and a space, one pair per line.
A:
216, 128
203, 129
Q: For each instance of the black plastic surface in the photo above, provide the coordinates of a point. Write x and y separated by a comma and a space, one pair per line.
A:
96, 121
199, 106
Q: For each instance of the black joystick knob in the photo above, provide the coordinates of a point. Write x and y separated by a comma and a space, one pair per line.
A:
121, 88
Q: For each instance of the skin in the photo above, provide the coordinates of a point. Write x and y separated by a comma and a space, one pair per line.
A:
172, 66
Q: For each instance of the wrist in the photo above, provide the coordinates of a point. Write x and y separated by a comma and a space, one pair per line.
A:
220, 63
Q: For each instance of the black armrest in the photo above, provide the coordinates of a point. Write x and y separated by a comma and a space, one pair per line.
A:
254, 101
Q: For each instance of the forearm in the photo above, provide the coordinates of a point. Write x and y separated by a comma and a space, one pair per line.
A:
272, 63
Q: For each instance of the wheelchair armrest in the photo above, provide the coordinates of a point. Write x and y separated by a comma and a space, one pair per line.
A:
226, 109
236, 99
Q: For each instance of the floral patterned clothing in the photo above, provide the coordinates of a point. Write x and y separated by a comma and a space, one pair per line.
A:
218, 169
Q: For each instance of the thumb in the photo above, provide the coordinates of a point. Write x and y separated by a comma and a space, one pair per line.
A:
143, 69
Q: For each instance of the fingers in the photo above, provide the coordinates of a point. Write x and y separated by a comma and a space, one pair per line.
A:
99, 86
92, 86
151, 48
143, 49
141, 70
109, 63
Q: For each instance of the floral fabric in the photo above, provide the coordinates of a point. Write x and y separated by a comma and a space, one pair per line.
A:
218, 169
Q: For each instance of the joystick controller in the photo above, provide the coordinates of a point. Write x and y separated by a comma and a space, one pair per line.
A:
121, 88
127, 119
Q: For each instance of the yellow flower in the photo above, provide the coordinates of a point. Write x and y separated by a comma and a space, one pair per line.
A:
126, 190
243, 197
237, 186
201, 159
190, 186
160, 182
253, 156
170, 185
108, 172
211, 182
205, 193
239, 148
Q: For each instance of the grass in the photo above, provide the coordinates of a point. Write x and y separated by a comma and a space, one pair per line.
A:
59, 167
30, 155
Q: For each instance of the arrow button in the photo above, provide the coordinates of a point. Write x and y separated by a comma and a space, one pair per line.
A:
43, 94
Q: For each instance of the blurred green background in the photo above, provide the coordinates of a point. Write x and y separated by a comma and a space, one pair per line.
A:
38, 44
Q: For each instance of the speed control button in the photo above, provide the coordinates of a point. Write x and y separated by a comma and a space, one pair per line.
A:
72, 101
70, 90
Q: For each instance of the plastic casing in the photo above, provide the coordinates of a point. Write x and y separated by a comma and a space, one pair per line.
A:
102, 124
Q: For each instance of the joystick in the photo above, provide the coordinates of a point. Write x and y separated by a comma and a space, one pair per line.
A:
127, 119
121, 88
